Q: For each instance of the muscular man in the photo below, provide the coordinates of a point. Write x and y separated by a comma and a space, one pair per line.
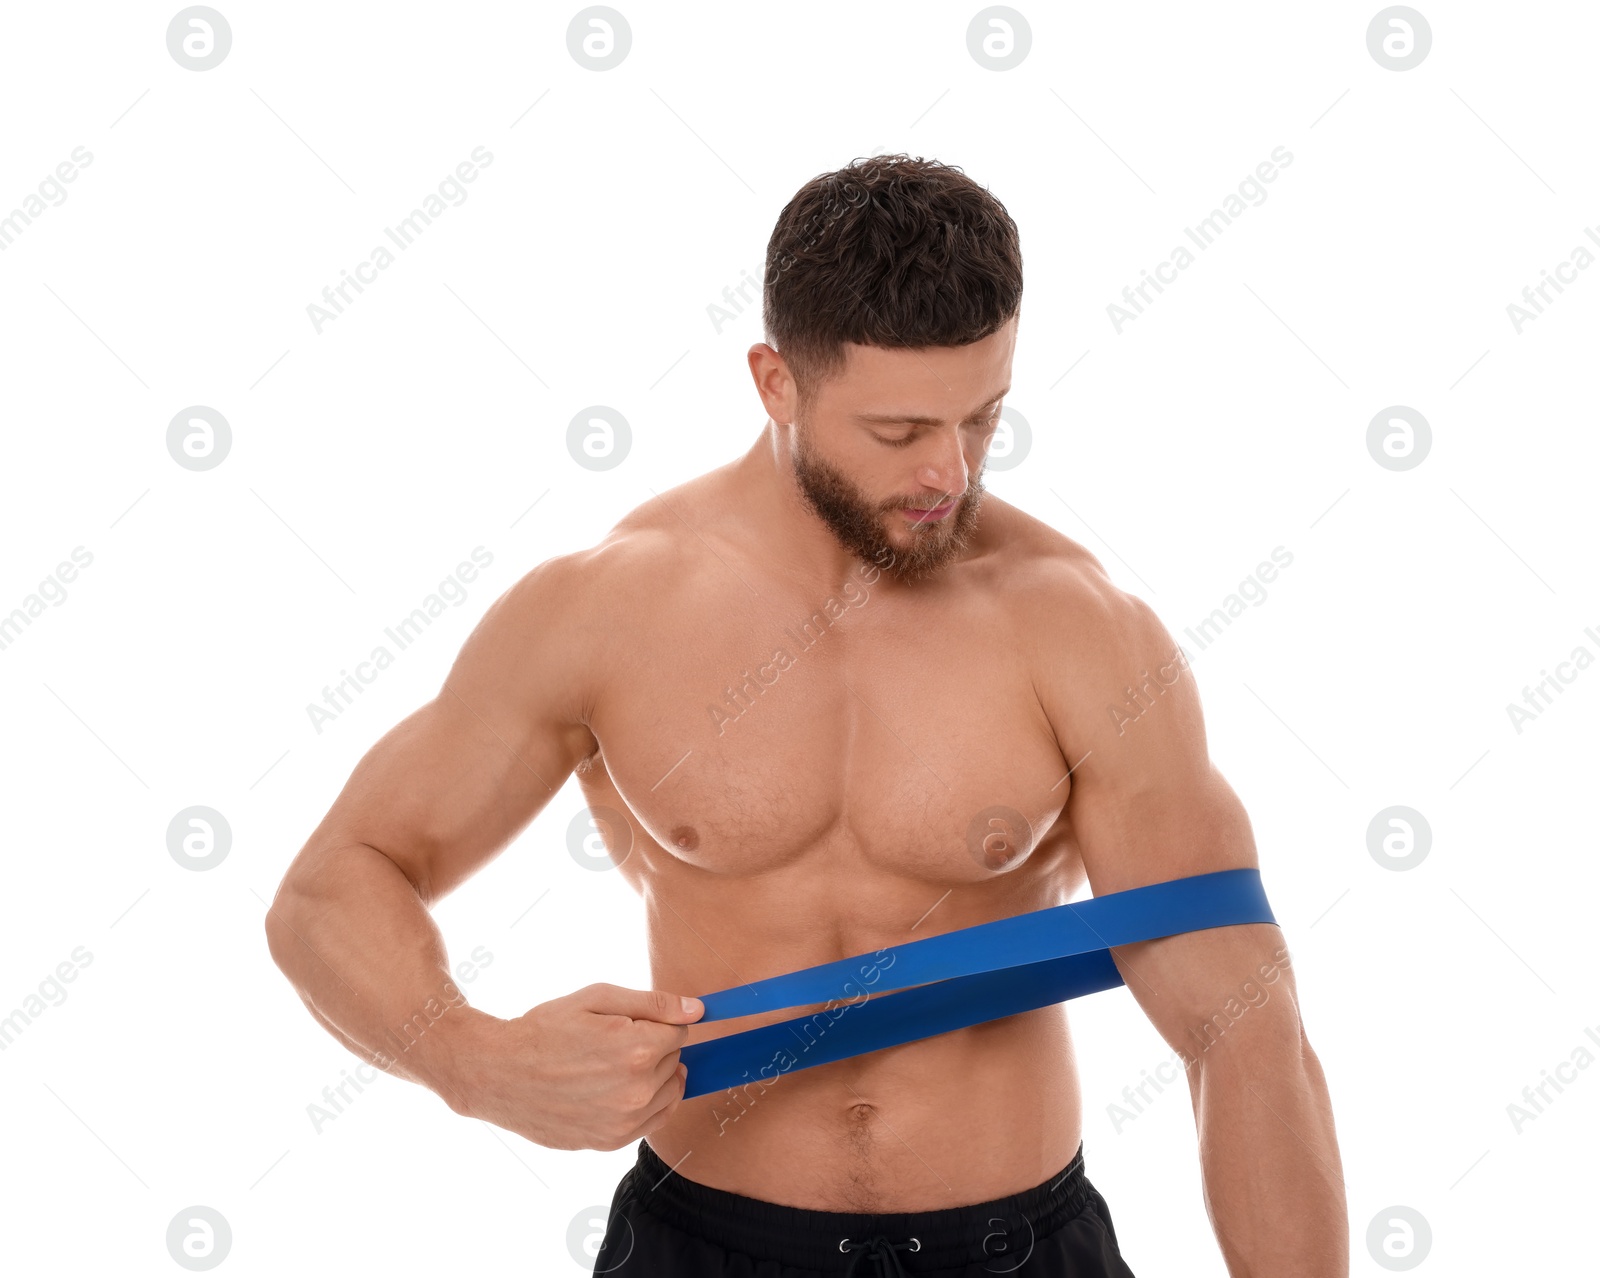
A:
842, 700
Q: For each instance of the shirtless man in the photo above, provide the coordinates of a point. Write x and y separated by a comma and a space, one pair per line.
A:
807, 681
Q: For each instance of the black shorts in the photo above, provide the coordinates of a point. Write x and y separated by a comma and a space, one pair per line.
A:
662, 1225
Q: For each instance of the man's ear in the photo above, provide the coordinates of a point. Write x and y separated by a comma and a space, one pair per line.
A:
774, 383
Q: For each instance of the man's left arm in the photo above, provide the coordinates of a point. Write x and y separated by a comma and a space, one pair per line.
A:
1146, 805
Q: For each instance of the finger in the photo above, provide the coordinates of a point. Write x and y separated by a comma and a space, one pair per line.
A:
663, 1104
657, 1006
659, 1040
662, 1071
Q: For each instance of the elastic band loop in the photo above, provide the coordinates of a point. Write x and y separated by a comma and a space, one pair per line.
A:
957, 979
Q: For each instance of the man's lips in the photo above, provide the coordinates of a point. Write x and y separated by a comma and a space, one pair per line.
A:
928, 515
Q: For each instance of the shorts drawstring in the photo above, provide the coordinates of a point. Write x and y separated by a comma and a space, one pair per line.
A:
882, 1251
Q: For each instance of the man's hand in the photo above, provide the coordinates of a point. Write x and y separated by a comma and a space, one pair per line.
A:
595, 1069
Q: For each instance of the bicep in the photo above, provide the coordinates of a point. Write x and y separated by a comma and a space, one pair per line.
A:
451, 785
1146, 802
1147, 805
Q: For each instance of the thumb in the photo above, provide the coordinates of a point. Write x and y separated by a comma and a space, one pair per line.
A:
640, 1005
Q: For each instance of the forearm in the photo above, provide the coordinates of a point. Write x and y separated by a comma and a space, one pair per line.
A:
1274, 1184
349, 931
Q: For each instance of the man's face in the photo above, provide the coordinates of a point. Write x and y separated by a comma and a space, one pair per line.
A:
890, 454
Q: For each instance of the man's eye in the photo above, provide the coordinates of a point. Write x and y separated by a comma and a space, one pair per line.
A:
894, 443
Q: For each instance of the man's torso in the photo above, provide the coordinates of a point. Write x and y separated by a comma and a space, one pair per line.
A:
810, 774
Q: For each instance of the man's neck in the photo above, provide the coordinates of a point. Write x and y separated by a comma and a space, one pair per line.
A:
786, 532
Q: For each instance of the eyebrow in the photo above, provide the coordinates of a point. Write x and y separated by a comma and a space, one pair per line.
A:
912, 419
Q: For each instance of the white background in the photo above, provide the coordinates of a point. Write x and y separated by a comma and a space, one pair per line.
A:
431, 417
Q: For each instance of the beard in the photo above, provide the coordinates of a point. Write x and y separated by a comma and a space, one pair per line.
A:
857, 522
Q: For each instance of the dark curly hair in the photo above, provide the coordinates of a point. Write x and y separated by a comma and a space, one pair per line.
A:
888, 251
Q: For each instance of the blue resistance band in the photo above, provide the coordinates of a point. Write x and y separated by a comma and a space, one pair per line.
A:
961, 978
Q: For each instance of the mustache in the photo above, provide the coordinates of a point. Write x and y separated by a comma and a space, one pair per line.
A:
945, 497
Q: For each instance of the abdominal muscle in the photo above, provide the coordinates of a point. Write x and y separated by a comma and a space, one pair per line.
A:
959, 1118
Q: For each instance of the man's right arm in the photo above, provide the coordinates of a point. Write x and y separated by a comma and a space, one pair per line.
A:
435, 799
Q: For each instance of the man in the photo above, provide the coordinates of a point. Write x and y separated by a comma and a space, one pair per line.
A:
841, 700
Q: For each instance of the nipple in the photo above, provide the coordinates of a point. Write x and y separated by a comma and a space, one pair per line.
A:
685, 838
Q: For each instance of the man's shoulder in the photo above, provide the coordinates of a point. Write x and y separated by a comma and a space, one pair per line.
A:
573, 620
1068, 613
651, 549
1054, 579
1086, 644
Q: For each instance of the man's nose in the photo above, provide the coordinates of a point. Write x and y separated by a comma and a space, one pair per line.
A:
946, 470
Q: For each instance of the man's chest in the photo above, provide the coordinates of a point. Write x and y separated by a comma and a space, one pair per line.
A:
912, 743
